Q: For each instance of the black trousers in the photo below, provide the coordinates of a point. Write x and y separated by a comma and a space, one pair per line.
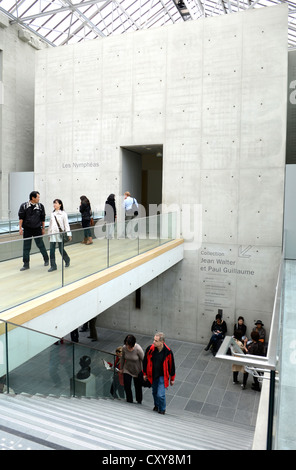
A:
29, 234
127, 380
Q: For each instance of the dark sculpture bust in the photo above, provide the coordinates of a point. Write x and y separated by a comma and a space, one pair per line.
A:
84, 372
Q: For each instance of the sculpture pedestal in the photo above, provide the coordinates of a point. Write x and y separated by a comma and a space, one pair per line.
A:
84, 387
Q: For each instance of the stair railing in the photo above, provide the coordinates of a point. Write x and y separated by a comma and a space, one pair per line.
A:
34, 362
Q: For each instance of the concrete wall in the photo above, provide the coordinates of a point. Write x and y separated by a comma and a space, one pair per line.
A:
213, 92
17, 82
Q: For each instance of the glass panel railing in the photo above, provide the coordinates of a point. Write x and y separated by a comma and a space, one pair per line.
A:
85, 259
33, 362
18, 286
284, 420
111, 244
10, 224
149, 233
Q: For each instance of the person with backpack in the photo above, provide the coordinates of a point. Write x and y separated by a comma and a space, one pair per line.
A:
131, 210
32, 225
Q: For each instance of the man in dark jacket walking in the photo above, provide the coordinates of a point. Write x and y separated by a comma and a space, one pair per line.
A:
159, 370
32, 225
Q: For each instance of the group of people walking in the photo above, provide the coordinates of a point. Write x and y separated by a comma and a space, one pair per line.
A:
32, 225
155, 368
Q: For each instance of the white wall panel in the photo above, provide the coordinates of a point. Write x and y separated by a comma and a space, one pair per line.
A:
213, 93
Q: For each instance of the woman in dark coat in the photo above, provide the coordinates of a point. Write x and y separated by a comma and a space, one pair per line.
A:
110, 215
219, 330
85, 210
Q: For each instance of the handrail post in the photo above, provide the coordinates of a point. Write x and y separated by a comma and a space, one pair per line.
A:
270, 410
6, 348
73, 369
108, 252
63, 272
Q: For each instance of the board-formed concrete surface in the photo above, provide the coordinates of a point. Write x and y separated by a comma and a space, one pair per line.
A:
213, 93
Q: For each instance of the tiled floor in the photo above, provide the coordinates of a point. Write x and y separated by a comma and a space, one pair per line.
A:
203, 384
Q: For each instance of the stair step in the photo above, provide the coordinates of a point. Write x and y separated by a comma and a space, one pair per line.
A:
100, 424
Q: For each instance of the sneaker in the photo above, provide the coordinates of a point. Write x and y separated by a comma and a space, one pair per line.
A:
243, 386
24, 268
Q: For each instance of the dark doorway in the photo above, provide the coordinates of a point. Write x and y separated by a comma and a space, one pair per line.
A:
142, 173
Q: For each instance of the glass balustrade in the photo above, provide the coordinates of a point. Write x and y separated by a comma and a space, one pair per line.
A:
111, 244
36, 363
10, 224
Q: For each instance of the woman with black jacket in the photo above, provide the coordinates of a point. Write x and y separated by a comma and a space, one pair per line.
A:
219, 330
110, 215
85, 210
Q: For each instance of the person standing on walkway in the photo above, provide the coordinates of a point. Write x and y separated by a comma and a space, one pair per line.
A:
86, 215
58, 222
32, 225
131, 210
131, 364
110, 215
159, 370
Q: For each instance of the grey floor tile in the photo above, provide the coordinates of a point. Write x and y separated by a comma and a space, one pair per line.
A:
185, 390
200, 392
230, 399
207, 379
183, 373
194, 406
215, 396
226, 413
193, 376
209, 410
200, 364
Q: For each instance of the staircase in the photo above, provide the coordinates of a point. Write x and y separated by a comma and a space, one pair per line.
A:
62, 423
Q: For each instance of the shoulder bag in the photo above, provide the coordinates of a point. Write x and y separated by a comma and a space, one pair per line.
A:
64, 234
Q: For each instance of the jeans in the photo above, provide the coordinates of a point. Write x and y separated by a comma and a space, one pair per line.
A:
158, 392
86, 225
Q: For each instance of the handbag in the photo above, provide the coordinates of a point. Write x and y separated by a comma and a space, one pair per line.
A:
135, 208
91, 222
133, 212
64, 234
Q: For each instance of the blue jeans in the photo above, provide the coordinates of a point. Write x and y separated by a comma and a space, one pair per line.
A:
158, 392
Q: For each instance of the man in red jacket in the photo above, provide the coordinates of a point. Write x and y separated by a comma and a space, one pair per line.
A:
159, 369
